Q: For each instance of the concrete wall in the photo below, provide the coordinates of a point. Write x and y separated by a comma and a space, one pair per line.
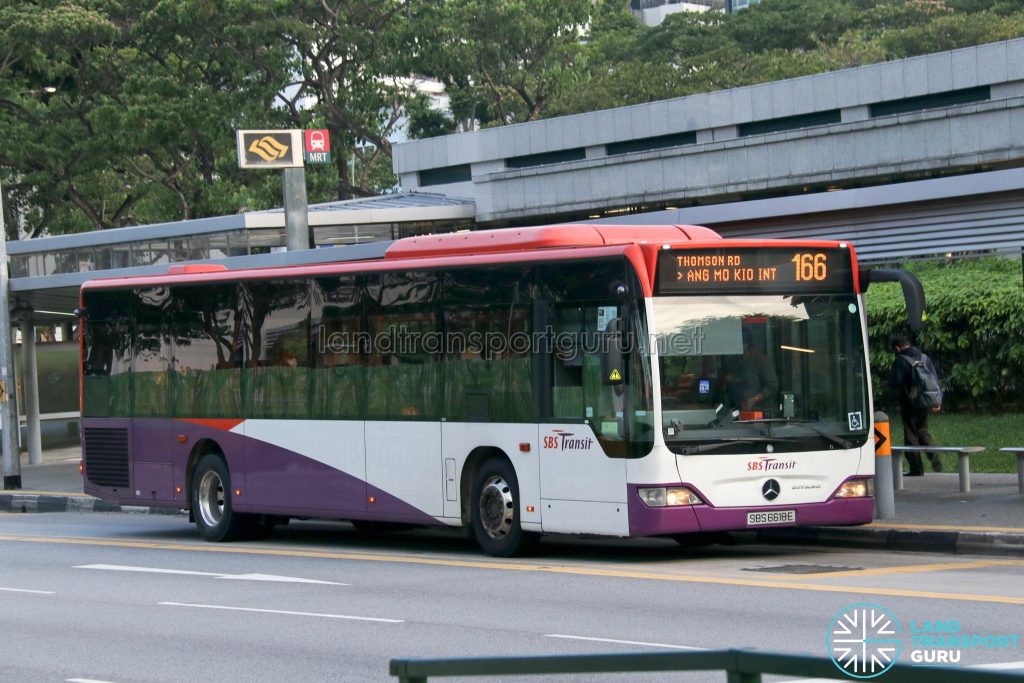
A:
721, 164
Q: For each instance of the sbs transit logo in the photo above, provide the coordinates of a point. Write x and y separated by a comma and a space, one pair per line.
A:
561, 440
766, 464
864, 640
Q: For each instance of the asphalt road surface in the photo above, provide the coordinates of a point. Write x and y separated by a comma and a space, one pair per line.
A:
131, 598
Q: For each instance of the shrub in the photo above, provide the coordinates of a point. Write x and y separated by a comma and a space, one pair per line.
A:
974, 331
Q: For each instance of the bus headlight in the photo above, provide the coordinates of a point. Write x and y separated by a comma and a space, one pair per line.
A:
855, 488
668, 497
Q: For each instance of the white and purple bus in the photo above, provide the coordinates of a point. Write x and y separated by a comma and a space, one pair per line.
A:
582, 379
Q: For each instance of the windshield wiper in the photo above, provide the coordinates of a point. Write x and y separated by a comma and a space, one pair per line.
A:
803, 423
732, 441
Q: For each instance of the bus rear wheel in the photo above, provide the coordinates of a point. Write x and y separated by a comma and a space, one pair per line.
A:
495, 510
211, 502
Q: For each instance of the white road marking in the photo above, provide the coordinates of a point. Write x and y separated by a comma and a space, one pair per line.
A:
85, 680
1000, 666
281, 611
215, 575
272, 577
624, 642
26, 590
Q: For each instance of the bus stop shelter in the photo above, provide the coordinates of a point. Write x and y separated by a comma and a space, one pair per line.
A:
46, 274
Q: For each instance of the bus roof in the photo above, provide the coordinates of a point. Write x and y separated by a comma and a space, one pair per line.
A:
639, 243
544, 237
500, 246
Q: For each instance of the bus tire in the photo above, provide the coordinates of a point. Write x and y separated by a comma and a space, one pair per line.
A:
495, 510
211, 502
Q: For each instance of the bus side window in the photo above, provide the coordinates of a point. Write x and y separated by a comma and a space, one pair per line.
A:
277, 381
341, 348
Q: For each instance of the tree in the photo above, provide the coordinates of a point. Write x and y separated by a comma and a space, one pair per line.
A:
791, 24
44, 46
353, 55
141, 126
514, 56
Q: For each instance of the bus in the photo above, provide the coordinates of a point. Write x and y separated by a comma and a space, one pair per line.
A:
609, 380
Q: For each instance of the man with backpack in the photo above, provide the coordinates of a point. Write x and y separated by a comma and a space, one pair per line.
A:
914, 379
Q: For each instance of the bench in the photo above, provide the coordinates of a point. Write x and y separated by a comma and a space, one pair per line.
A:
963, 464
1019, 452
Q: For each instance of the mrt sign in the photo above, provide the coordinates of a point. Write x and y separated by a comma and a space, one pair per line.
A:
318, 146
269, 149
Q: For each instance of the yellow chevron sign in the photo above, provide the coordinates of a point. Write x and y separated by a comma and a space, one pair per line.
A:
269, 148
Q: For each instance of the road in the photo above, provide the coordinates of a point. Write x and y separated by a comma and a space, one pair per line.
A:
129, 598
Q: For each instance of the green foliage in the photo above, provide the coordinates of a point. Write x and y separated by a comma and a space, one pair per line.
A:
146, 99
427, 122
974, 331
699, 52
514, 56
792, 24
115, 113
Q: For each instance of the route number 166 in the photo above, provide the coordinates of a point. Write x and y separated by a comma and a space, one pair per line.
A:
810, 267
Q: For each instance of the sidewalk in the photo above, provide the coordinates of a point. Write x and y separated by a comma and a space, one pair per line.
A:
55, 485
931, 513
933, 516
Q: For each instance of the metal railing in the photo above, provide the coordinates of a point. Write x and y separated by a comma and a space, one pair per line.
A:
739, 666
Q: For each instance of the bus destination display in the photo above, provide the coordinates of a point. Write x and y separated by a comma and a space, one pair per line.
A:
776, 270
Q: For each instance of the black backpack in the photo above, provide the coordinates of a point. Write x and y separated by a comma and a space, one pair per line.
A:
924, 392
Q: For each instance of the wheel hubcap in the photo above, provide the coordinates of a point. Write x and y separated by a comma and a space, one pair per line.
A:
497, 507
211, 498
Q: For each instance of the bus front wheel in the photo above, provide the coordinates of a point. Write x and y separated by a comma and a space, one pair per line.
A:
495, 510
211, 501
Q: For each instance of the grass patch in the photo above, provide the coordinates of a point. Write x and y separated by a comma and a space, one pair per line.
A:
971, 429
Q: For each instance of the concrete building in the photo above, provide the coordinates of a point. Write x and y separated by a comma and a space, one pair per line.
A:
653, 12
923, 137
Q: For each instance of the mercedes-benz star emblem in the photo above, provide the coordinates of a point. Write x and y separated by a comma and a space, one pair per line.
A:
770, 489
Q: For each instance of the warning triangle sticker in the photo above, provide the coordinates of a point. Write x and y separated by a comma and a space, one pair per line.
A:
616, 376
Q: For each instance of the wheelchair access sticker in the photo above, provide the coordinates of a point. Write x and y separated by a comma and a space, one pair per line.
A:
856, 421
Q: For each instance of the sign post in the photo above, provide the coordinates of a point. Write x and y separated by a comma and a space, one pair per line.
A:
296, 213
885, 499
8, 417
281, 149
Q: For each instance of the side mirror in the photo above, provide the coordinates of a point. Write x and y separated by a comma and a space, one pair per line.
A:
913, 292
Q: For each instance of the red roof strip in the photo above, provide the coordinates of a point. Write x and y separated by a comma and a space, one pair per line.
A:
543, 237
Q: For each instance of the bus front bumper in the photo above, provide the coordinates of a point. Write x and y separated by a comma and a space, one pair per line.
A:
667, 521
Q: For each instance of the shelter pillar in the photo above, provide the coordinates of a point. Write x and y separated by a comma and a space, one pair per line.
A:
30, 380
8, 416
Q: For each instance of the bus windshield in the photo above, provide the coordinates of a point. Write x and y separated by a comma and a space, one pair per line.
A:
761, 373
